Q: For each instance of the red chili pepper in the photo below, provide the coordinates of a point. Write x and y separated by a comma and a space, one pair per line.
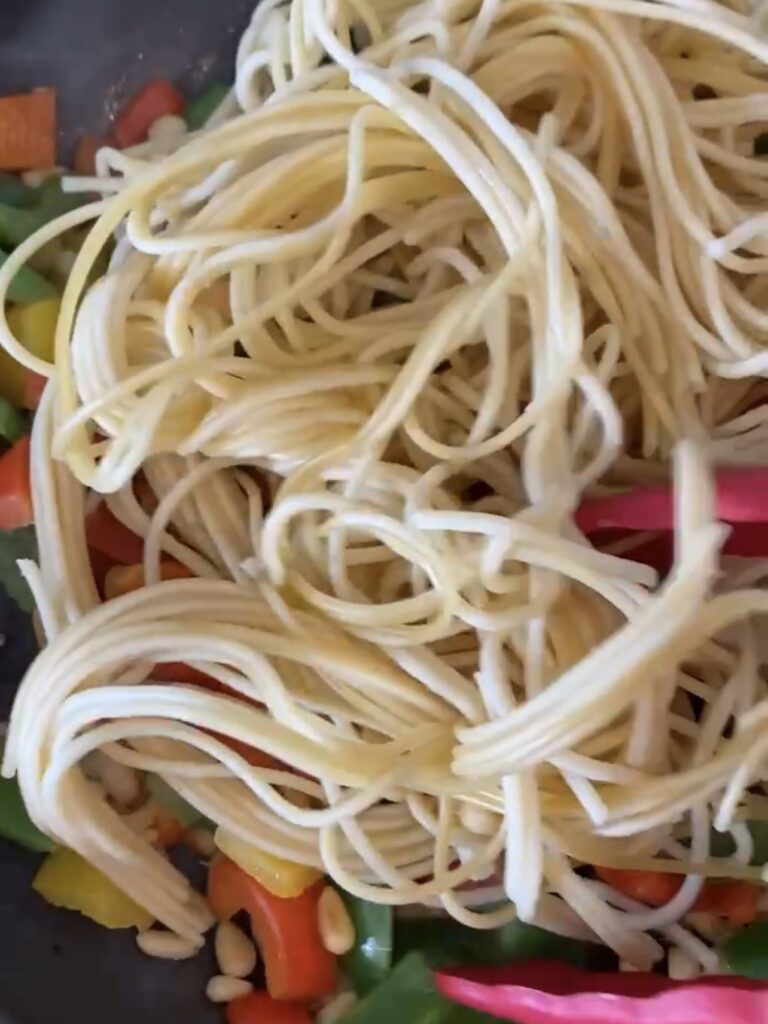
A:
298, 967
260, 1008
154, 101
543, 992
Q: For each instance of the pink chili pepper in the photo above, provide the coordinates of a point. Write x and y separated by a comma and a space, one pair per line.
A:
545, 992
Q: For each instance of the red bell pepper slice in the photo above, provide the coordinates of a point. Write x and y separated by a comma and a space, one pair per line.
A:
106, 534
543, 992
735, 900
155, 100
261, 1008
298, 967
15, 486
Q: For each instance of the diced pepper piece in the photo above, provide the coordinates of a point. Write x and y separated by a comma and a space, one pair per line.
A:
261, 1008
124, 579
155, 100
67, 880
298, 967
28, 130
282, 878
34, 386
198, 110
15, 487
175, 804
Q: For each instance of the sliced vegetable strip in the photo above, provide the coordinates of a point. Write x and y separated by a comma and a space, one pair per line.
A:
541, 992
15, 823
28, 285
28, 131
261, 1008
124, 579
297, 965
15, 487
67, 880
155, 100
107, 535
737, 901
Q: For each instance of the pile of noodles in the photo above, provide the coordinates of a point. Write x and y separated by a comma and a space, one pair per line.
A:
432, 273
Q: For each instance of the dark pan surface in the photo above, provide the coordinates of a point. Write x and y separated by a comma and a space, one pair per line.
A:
56, 967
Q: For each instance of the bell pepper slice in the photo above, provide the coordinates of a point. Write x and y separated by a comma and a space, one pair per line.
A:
199, 109
27, 285
541, 992
124, 579
298, 967
34, 326
12, 425
261, 1008
67, 880
280, 877
15, 486
745, 952
15, 823
106, 534
736, 900
370, 959
157, 99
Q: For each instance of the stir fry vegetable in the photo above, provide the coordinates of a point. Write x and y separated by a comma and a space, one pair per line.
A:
736, 901
28, 130
28, 286
155, 100
280, 877
539, 992
15, 823
297, 965
260, 1008
67, 880
198, 110
369, 960
15, 487
12, 425
745, 952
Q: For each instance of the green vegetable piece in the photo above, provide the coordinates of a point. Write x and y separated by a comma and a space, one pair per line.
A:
407, 993
15, 544
52, 201
370, 959
176, 805
13, 190
28, 286
446, 943
12, 425
721, 844
198, 110
17, 225
15, 823
745, 952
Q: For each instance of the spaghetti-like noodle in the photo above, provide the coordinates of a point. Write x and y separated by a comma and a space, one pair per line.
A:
415, 301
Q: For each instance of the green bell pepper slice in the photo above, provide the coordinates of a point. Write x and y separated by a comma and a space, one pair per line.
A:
369, 960
28, 286
15, 823
408, 994
745, 952
198, 110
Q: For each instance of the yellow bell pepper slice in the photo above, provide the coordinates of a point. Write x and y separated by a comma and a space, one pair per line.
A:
34, 326
280, 877
68, 881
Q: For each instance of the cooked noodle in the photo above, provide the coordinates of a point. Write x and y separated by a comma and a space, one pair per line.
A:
415, 302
